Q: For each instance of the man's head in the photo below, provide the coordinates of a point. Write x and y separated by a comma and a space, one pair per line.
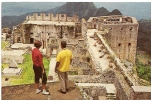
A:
37, 44
63, 44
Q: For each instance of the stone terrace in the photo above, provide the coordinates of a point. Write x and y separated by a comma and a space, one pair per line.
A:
27, 92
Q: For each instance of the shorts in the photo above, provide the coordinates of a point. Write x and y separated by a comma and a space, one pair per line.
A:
38, 74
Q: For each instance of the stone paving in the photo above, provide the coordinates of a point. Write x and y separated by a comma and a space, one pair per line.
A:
27, 92
52, 71
103, 62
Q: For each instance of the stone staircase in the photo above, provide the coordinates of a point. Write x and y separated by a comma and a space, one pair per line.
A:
110, 96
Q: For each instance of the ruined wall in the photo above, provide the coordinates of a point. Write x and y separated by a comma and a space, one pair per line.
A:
121, 85
140, 93
7, 58
83, 28
75, 18
94, 24
122, 38
52, 17
43, 32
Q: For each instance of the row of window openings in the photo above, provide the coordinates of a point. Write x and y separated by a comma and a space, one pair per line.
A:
62, 15
49, 33
131, 28
129, 44
52, 28
41, 32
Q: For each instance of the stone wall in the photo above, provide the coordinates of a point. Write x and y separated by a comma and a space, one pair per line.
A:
140, 93
123, 41
106, 77
121, 37
7, 58
51, 17
121, 85
95, 92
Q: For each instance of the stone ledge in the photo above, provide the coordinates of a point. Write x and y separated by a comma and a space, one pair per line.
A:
141, 88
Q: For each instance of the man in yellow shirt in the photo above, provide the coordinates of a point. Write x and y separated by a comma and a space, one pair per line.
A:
63, 61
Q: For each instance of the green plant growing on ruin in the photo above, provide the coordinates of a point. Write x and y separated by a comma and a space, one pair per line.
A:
125, 65
135, 70
73, 73
144, 71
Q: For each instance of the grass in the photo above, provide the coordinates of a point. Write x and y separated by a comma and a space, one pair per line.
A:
27, 75
3, 45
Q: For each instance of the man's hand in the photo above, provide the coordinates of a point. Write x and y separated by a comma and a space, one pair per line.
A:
57, 65
43, 71
56, 70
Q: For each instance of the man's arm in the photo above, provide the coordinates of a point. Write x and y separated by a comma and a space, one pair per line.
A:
57, 65
43, 70
41, 63
70, 61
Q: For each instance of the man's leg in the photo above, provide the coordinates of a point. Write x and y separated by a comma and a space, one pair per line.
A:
61, 76
37, 88
44, 82
66, 80
36, 71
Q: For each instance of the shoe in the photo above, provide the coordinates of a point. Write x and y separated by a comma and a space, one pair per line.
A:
45, 92
38, 91
61, 92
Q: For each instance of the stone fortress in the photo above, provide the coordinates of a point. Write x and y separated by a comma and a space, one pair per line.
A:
104, 50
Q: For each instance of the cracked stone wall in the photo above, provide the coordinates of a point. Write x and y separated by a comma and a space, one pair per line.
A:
121, 36
95, 92
106, 77
52, 17
140, 93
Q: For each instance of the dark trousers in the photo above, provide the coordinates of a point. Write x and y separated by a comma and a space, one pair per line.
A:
38, 74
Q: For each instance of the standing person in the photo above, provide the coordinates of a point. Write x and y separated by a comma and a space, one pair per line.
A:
64, 59
38, 68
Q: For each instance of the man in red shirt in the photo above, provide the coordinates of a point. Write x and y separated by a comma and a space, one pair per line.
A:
38, 68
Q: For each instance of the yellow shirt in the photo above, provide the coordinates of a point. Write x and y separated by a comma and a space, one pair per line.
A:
64, 58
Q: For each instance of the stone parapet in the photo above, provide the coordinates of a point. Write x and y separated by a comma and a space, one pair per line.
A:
140, 93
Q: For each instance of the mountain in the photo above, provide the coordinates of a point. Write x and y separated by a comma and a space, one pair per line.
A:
82, 9
115, 12
144, 36
10, 21
139, 10
101, 12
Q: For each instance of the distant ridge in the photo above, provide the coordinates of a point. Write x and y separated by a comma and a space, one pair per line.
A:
115, 12
82, 9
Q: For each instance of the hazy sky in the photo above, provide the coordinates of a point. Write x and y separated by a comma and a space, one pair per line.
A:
140, 10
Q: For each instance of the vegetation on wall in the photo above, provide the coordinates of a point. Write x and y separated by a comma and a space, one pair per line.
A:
143, 69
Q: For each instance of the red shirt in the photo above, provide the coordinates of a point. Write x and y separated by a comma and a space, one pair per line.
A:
37, 57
